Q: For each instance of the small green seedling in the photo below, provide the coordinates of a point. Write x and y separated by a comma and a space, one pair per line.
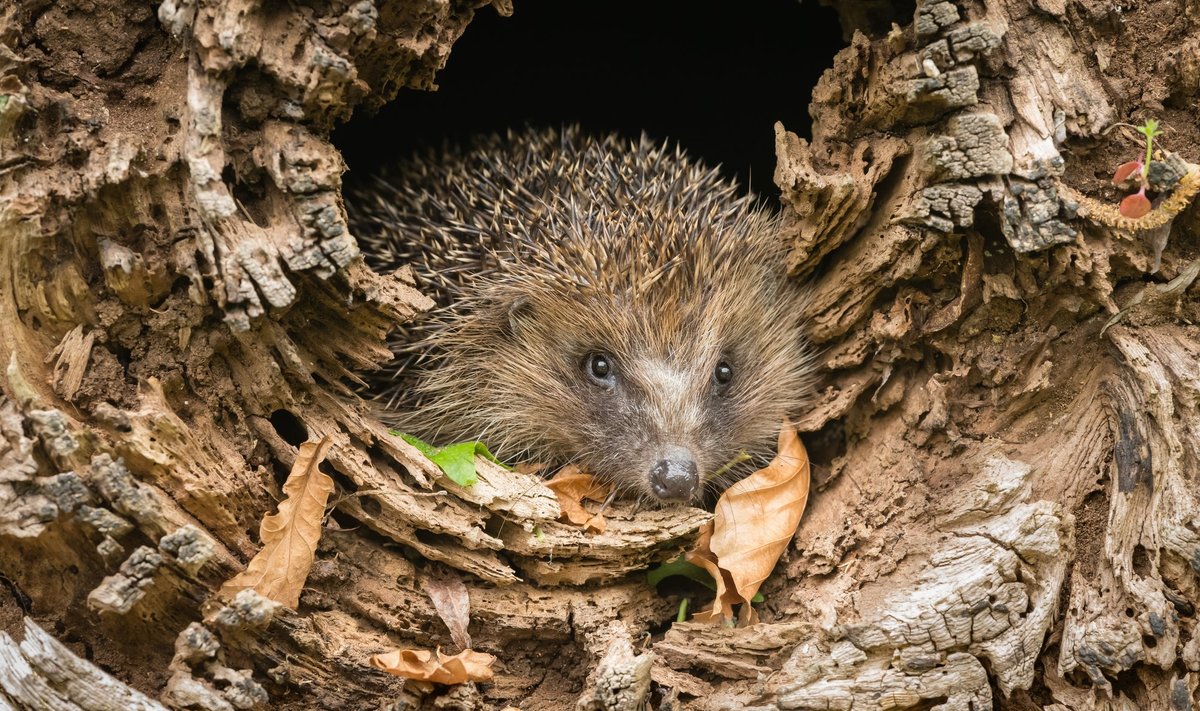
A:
456, 460
1137, 204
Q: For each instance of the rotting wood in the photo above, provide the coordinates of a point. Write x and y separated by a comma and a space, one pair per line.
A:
1009, 516
39, 672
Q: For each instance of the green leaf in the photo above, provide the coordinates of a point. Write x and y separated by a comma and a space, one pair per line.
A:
1149, 129
680, 567
456, 460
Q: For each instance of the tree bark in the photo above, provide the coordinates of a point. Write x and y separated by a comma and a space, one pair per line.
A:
1007, 513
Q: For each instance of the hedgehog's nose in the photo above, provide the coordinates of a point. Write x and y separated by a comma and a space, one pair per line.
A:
675, 476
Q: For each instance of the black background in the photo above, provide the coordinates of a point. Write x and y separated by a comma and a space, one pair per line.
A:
713, 75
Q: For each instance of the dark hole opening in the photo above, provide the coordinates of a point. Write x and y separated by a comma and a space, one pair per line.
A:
714, 76
289, 427
371, 506
1141, 561
1128, 685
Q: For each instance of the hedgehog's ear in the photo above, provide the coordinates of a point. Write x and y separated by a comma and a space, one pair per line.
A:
520, 313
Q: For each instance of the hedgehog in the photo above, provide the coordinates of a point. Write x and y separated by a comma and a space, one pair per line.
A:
600, 301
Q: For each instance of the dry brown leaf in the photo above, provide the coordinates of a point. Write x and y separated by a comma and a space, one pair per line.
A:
726, 597
754, 522
424, 665
290, 536
453, 605
757, 517
571, 487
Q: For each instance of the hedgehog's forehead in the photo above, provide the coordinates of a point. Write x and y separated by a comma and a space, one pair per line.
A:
655, 323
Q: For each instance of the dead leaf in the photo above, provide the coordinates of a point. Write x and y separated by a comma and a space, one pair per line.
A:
727, 596
290, 536
423, 665
572, 486
453, 605
754, 522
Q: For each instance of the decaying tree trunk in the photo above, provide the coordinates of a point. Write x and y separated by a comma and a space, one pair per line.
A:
1008, 513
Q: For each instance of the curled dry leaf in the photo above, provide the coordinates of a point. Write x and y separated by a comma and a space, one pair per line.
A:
727, 597
453, 605
424, 665
571, 487
754, 522
289, 537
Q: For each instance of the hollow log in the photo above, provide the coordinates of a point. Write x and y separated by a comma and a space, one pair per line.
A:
1006, 435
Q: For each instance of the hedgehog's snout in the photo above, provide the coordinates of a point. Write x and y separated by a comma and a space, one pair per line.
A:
675, 476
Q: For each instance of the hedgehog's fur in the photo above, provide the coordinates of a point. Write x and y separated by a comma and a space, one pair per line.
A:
541, 248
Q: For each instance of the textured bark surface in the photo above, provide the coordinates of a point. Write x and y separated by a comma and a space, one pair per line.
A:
1007, 511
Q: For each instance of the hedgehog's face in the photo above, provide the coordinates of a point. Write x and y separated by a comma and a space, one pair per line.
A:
662, 398
662, 425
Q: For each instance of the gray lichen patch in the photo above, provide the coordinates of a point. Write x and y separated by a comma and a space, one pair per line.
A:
622, 679
945, 206
52, 428
129, 497
67, 490
104, 522
120, 592
974, 145
1032, 216
933, 17
190, 547
930, 97
938, 54
973, 40
247, 609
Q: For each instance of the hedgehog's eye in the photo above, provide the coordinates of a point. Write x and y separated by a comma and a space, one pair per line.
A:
723, 373
599, 367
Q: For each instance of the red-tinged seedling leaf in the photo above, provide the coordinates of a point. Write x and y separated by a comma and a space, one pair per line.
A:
1135, 206
1125, 170
424, 665
571, 487
289, 537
